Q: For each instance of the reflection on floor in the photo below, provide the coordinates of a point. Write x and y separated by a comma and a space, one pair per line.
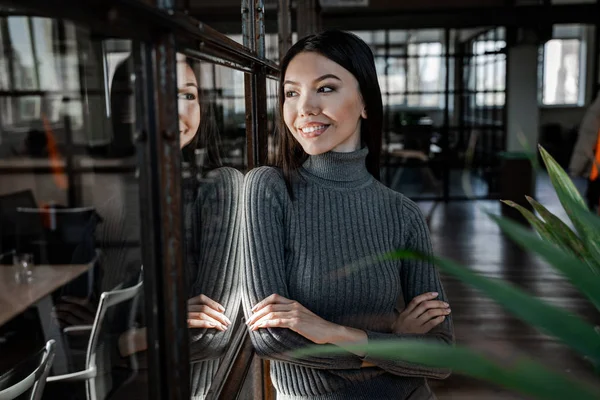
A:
461, 231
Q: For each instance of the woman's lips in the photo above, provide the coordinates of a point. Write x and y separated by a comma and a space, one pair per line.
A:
313, 131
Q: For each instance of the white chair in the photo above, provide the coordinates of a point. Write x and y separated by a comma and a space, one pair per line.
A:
90, 374
29, 375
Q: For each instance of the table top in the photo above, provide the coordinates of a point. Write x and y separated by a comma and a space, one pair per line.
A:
17, 297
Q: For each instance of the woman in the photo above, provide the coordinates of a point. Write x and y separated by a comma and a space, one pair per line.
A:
309, 223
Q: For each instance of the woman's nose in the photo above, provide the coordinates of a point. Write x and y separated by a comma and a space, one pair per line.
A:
308, 105
181, 110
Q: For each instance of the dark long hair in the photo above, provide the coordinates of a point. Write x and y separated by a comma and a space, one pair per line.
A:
353, 54
207, 136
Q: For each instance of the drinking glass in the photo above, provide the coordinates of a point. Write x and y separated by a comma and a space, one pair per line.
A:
23, 267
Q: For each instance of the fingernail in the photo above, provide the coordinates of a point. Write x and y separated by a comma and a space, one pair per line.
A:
223, 327
221, 308
434, 294
446, 305
448, 311
228, 320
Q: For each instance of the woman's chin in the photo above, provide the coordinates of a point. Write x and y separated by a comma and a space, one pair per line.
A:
315, 151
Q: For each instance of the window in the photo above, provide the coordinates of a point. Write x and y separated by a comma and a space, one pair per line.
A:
562, 60
410, 66
489, 72
561, 72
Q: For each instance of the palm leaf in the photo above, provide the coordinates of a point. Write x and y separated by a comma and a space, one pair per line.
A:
573, 203
540, 226
521, 374
561, 231
577, 272
557, 322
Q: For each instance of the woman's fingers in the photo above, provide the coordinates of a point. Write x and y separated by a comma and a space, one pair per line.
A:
419, 299
272, 299
426, 306
433, 313
284, 319
211, 312
269, 308
432, 323
206, 324
202, 299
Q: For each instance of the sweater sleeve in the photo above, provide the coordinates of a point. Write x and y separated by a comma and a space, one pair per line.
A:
215, 255
265, 197
416, 277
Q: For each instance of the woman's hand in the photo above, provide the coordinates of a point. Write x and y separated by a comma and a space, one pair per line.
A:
421, 315
204, 312
279, 312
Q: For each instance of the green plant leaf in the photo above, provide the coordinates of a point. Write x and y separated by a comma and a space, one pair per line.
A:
557, 322
577, 272
561, 231
573, 204
590, 232
520, 374
560, 180
537, 224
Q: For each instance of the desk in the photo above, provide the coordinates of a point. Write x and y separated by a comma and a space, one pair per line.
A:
16, 298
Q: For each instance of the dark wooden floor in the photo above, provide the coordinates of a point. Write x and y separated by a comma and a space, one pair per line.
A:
461, 231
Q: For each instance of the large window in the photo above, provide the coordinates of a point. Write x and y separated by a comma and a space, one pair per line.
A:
489, 72
410, 66
562, 81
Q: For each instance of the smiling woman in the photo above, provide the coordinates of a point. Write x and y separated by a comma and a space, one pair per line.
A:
314, 219
330, 104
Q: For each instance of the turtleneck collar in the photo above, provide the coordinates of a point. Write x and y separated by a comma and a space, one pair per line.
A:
343, 170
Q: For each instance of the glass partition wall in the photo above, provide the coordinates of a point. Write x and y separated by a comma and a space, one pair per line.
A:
125, 130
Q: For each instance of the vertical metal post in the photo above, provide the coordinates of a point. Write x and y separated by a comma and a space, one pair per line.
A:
284, 23
596, 60
307, 17
69, 164
259, 27
161, 208
255, 84
445, 138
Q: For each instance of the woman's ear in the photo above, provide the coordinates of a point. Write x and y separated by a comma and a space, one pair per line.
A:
363, 113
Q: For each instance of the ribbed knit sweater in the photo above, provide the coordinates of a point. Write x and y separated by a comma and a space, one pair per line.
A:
308, 248
212, 212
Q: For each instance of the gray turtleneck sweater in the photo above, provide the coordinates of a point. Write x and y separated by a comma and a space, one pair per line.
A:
306, 248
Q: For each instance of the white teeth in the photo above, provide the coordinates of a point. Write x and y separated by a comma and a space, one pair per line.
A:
313, 128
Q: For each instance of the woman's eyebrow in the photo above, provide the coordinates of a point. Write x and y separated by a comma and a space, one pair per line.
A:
191, 84
319, 79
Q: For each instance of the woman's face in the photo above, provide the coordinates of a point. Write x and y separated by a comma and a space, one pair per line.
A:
187, 103
322, 105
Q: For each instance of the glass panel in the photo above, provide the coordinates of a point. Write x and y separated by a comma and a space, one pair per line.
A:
561, 71
69, 199
24, 66
212, 137
272, 112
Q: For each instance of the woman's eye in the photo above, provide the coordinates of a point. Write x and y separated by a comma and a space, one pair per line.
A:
325, 89
290, 94
187, 96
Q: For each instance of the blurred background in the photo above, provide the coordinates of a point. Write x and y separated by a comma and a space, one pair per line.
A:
93, 179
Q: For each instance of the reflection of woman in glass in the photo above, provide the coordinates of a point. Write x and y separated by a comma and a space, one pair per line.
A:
211, 216
309, 223
211, 227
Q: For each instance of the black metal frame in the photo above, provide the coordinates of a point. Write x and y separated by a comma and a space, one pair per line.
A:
159, 31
